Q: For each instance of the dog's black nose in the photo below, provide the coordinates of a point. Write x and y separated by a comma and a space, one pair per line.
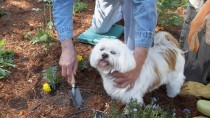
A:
104, 55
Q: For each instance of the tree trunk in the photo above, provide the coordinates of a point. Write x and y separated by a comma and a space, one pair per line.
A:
197, 64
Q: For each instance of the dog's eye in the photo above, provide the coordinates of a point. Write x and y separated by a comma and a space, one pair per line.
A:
113, 52
101, 49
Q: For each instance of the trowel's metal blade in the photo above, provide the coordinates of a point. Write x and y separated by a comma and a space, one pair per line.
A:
76, 97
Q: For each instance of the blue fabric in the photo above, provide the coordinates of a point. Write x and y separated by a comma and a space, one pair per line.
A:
90, 37
140, 20
145, 16
62, 15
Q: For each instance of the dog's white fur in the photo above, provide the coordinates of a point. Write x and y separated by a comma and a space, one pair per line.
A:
164, 65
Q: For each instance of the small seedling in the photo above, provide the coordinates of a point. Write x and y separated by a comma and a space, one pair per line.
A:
51, 76
2, 12
6, 60
82, 64
42, 36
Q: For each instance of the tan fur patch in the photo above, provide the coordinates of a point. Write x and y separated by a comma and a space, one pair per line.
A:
170, 58
157, 72
156, 83
172, 39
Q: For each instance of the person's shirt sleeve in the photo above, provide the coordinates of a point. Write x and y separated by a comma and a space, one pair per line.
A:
145, 15
62, 16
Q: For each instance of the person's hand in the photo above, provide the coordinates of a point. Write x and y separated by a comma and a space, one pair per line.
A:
123, 80
129, 78
68, 60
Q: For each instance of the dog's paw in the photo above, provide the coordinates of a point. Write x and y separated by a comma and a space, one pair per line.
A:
126, 111
171, 95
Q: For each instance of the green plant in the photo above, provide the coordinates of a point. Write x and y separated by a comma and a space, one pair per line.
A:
79, 6
51, 76
136, 110
48, 24
2, 12
82, 64
167, 12
6, 60
42, 36
27, 36
114, 112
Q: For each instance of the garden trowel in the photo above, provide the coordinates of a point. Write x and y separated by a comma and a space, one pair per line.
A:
75, 94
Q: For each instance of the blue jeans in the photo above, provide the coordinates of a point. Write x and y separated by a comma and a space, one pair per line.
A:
140, 19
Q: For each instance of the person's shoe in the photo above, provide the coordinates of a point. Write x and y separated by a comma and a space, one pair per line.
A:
204, 107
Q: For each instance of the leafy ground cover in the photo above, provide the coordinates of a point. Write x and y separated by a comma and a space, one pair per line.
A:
21, 92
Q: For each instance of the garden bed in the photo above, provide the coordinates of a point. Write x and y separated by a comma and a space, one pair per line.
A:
21, 92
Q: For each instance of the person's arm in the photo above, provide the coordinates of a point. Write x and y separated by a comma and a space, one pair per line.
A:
63, 21
62, 16
145, 15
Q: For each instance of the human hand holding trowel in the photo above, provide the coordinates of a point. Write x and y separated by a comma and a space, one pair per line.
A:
69, 62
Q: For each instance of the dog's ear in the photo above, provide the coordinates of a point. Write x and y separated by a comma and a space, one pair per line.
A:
93, 56
126, 60
92, 60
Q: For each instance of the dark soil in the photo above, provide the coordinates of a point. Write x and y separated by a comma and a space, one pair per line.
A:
21, 92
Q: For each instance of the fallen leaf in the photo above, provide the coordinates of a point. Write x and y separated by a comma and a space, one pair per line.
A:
20, 113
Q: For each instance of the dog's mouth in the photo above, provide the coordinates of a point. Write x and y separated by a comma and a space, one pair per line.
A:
103, 63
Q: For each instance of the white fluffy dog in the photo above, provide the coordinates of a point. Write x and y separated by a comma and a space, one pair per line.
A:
164, 65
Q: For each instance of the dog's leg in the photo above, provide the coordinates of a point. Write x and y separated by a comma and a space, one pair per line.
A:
174, 85
139, 99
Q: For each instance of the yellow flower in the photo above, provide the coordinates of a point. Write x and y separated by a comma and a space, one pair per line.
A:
46, 87
79, 57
